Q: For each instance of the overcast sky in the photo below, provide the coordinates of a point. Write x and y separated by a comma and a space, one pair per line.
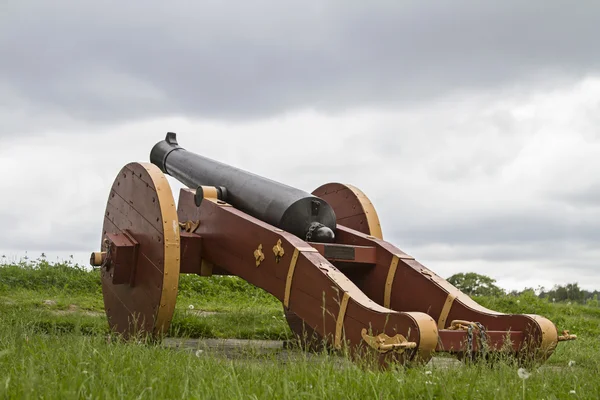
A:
473, 126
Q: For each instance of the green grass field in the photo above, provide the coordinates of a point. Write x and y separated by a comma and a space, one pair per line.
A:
54, 344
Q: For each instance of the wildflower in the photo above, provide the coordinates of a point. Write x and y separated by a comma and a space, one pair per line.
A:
523, 374
191, 306
199, 353
429, 383
572, 392
518, 301
428, 372
571, 363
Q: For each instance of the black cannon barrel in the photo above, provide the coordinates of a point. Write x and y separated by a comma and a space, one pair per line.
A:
293, 210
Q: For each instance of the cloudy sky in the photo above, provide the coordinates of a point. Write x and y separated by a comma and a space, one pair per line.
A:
473, 126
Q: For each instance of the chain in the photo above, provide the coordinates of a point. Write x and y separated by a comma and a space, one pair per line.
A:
483, 339
470, 339
469, 327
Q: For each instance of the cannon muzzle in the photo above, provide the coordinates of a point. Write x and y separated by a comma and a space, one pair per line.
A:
295, 211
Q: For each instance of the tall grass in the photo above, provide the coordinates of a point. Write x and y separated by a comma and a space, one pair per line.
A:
47, 351
57, 365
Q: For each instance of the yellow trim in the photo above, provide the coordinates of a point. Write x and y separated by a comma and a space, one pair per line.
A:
549, 339
209, 192
171, 262
369, 209
97, 258
290, 276
446, 309
340, 321
390, 281
428, 336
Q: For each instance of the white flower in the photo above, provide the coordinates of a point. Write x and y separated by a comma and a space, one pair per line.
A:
572, 392
428, 372
523, 374
571, 363
429, 383
199, 353
191, 306
518, 301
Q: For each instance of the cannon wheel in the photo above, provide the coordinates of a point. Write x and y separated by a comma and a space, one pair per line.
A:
354, 210
141, 207
352, 207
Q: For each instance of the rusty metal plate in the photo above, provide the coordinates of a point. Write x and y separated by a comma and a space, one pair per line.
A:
141, 203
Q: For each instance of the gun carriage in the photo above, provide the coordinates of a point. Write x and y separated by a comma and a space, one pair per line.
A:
322, 254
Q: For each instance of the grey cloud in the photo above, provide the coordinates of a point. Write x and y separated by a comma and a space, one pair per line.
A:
461, 185
112, 61
520, 227
588, 197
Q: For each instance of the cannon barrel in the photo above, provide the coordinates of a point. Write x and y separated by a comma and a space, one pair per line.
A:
295, 211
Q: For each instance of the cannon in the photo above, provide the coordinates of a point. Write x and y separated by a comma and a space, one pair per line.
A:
322, 254
285, 207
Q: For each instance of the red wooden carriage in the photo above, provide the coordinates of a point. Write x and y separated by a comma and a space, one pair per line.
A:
321, 254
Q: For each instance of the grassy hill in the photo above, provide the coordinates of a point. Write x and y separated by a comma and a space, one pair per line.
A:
54, 344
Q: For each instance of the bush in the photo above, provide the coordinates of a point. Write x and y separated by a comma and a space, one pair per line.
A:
42, 275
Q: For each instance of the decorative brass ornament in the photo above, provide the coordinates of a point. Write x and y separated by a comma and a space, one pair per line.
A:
462, 325
189, 226
259, 256
278, 251
384, 344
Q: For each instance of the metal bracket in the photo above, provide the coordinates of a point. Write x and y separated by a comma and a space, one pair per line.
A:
189, 226
384, 344
566, 337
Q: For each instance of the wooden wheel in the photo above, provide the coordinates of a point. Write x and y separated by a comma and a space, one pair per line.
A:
354, 210
352, 207
140, 287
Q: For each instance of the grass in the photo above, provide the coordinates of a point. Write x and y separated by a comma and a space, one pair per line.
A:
60, 349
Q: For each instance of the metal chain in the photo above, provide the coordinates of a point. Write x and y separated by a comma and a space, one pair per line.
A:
469, 327
470, 339
483, 339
